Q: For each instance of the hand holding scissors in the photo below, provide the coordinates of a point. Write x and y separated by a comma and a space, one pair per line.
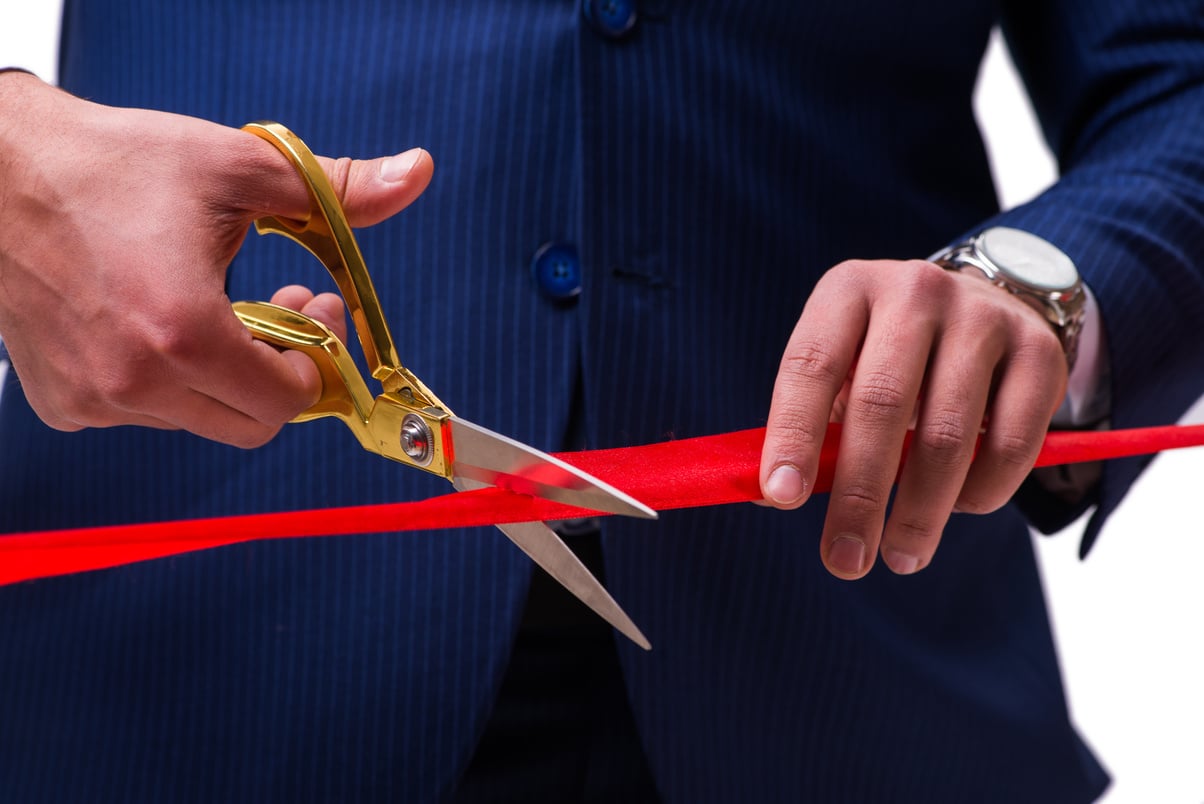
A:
407, 422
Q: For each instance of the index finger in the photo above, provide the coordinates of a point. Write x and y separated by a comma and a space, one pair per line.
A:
817, 360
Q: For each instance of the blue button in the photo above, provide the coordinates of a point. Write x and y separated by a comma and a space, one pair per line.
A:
557, 270
611, 18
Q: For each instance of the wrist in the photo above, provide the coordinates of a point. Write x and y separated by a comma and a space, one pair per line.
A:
31, 120
16, 84
13, 87
12, 78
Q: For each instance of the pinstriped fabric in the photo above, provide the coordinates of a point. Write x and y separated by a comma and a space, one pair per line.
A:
1129, 210
709, 167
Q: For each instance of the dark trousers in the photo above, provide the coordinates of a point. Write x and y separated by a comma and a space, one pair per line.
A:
562, 729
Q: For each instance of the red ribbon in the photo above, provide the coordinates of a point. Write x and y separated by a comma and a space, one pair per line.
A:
710, 470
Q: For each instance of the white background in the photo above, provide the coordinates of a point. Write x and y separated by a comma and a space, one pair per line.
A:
1127, 619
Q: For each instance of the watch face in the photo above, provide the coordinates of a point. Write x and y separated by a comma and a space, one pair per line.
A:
1028, 259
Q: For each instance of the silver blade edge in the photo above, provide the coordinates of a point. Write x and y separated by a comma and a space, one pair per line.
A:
543, 546
492, 459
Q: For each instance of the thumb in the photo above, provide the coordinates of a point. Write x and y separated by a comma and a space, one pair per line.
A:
370, 190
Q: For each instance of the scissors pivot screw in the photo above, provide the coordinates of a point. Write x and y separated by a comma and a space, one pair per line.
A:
416, 439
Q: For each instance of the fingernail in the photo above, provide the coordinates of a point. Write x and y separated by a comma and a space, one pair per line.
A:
785, 485
900, 563
396, 168
847, 555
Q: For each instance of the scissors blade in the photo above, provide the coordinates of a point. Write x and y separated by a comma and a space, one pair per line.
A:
546, 549
491, 459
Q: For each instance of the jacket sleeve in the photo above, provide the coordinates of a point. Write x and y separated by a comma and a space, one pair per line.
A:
1118, 87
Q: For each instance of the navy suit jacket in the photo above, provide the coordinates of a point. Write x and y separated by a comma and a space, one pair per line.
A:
708, 165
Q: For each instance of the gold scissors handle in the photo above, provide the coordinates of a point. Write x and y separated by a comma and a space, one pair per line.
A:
327, 235
289, 329
407, 423
390, 424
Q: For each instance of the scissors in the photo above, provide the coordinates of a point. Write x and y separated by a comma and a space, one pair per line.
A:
407, 422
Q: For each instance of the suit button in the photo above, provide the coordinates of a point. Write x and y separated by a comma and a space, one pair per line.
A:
556, 269
611, 18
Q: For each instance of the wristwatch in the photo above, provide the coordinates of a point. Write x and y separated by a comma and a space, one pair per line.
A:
1034, 270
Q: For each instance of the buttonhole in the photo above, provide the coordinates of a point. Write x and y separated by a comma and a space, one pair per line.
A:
648, 280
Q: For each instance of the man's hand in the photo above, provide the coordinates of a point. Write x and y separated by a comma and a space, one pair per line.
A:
116, 230
884, 346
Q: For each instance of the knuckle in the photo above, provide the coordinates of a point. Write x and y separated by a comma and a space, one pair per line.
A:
861, 498
944, 439
1036, 345
971, 503
926, 280
913, 531
119, 387
922, 291
250, 436
881, 394
847, 279
340, 176
1048, 351
63, 413
176, 341
1014, 450
809, 362
281, 414
982, 497
846, 270
1008, 457
275, 405
254, 440
152, 348
793, 433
